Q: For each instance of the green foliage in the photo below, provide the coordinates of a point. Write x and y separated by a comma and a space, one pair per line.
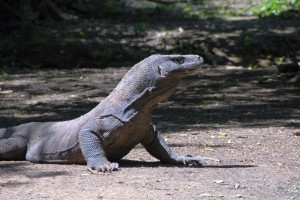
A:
280, 59
142, 26
187, 10
111, 4
81, 33
249, 41
222, 135
275, 7
100, 196
221, 95
209, 10
199, 1
3, 71
252, 66
234, 121
208, 148
296, 189
17, 114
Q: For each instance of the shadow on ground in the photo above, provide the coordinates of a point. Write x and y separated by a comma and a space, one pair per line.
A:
134, 163
215, 97
235, 98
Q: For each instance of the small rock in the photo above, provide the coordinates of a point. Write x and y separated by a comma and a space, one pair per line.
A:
239, 196
6, 91
296, 133
264, 62
205, 195
230, 141
236, 186
233, 67
295, 79
218, 181
142, 159
85, 174
279, 164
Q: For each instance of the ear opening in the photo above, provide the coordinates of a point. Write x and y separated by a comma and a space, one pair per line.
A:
160, 71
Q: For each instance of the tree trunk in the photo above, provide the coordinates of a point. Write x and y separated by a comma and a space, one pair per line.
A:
26, 22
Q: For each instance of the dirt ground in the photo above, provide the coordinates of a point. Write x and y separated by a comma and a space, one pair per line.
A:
249, 119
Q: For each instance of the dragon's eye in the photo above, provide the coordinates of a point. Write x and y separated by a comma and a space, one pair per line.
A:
178, 59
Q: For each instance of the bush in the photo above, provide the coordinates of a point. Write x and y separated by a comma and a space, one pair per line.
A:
275, 7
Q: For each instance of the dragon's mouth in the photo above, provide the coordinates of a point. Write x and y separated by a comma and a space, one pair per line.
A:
181, 72
187, 68
194, 65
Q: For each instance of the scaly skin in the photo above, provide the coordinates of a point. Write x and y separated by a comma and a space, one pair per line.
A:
114, 127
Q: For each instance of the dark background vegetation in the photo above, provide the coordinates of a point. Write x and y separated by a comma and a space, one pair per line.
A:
93, 33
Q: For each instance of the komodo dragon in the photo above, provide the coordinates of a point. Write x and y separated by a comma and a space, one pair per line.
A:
113, 128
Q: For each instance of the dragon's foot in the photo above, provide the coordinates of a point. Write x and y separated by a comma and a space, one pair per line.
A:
189, 160
101, 166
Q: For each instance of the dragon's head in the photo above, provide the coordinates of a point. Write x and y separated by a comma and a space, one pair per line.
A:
168, 70
156, 77
174, 66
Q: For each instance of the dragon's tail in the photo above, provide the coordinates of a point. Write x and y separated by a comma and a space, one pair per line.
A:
12, 148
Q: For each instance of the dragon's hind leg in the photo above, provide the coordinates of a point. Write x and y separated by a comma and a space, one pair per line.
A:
13, 148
